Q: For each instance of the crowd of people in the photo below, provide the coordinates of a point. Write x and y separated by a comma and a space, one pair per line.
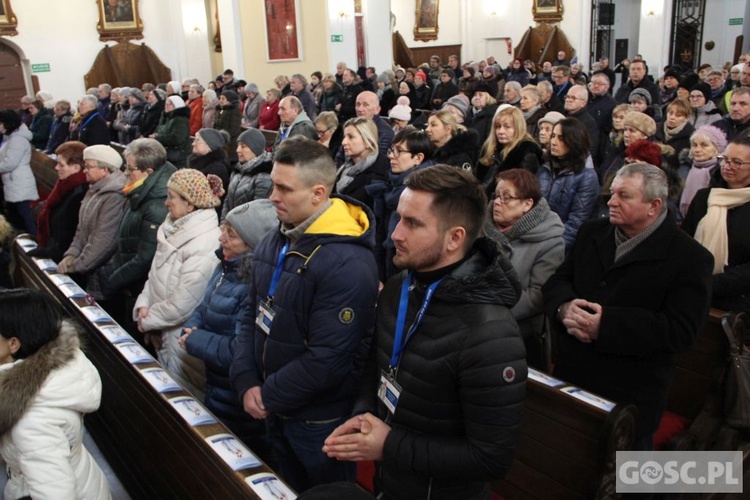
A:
374, 284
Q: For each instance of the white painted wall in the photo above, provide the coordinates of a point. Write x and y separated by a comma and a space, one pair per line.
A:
340, 21
627, 24
378, 40
716, 27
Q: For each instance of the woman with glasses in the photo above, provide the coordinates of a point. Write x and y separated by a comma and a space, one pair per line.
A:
704, 109
147, 171
411, 151
530, 235
329, 132
718, 218
364, 164
570, 186
508, 146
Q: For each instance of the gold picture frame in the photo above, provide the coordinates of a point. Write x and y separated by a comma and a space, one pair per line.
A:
426, 20
547, 10
119, 20
8, 21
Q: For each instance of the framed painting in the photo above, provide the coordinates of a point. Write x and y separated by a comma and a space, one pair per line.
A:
426, 20
8, 21
119, 20
283, 39
547, 10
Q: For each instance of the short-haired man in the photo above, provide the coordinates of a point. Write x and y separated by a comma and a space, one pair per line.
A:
601, 102
298, 86
441, 397
305, 337
512, 94
562, 59
550, 101
340, 68
605, 68
633, 292
639, 79
294, 121
738, 122
561, 81
576, 106
351, 88
105, 99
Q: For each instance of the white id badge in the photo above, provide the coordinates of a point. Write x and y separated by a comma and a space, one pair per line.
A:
264, 320
388, 392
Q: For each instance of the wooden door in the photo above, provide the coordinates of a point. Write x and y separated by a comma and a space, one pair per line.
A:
12, 86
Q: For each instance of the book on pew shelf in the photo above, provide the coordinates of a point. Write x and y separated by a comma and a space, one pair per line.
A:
115, 333
589, 398
45, 264
61, 279
545, 379
27, 245
96, 314
192, 411
160, 380
233, 452
72, 291
134, 352
269, 487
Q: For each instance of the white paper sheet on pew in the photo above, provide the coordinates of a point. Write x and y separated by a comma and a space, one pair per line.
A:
134, 352
160, 380
73, 291
545, 379
589, 398
61, 279
46, 264
96, 314
192, 411
115, 333
233, 452
269, 487
27, 245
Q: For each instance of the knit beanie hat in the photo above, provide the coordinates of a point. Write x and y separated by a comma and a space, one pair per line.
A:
640, 93
252, 87
490, 70
198, 189
421, 74
176, 101
401, 111
714, 134
230, 95
215, 139
470, 70
138, 94
459, 101
672, 73
552, 118
103, 154
704, 89
253, 220
253, 138
641, 122
689, 81
483, 87
383, 78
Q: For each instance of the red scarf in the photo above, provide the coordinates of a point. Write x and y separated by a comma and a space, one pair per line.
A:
61, 190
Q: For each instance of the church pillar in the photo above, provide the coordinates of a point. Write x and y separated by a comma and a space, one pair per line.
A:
231, 36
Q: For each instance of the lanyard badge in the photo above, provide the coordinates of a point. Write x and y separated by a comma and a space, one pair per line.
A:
266, 312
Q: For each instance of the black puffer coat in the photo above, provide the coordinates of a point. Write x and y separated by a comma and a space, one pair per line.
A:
462, 376
460, 151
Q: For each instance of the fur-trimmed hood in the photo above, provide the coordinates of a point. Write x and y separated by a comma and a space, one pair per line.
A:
25, 380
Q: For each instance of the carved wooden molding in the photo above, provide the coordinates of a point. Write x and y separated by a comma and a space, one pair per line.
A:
8, 21
426, 20
119, 20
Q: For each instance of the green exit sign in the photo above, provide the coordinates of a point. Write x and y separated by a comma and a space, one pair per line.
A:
40, 68
735, 21
337, 38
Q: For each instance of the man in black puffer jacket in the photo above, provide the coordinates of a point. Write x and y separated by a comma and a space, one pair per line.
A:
444, 410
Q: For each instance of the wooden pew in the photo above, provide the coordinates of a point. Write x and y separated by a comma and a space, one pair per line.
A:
153, 450
270, 136
43, 168
567, 445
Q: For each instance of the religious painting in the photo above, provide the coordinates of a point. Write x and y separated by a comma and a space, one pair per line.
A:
547, 10
119, 20
8, 21
283, 40
426, 20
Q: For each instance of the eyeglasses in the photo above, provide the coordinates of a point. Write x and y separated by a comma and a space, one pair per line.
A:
87, 166
321, 132
504, 198
732, 162
396, 152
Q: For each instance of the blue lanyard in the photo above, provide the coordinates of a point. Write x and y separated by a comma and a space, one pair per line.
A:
89, 119
277, 272
398, 346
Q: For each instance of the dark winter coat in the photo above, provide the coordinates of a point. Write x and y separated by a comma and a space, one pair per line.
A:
59, 132
527, 155
63, 222
462, 377
482, 122
150, 118
460, 151
136, 242
40, 127
357, 188
215, 162
248, 181
679, 142
348, 102
173, 133
623, 93
93, 130
229, 118
309, 367
443, 92
654, 301
330, 98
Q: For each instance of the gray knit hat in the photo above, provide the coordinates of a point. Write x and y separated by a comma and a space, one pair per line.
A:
138, 94
460, 102
640, 93
215, 139
251, 87
253, 138
253, 220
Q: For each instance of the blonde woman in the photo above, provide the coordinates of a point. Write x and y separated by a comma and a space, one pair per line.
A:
508, 146
531, 107
364, 163
454, 144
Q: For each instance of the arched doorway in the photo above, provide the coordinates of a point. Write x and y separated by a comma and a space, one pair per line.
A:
12, 80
